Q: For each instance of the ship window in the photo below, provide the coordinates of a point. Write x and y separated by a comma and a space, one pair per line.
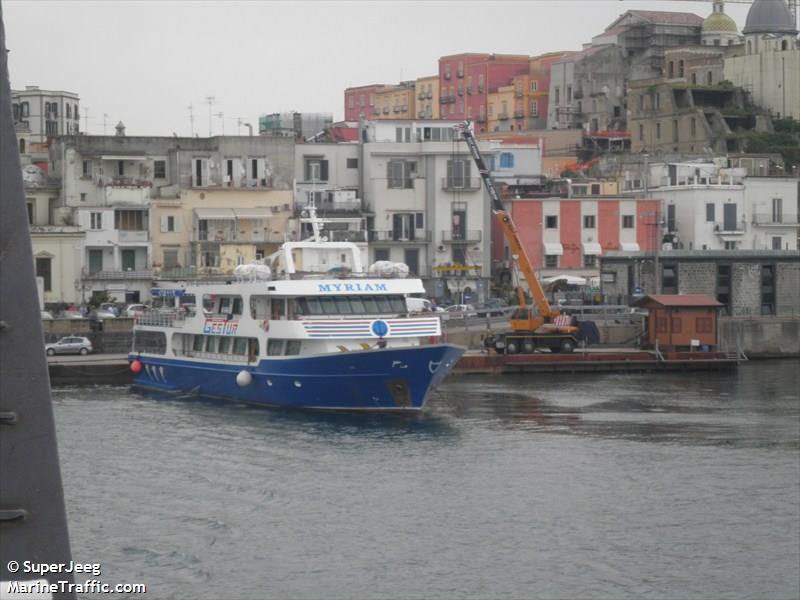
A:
278, 308
328, 306
237, 305
211, 343
313, 304
398, 304
370, 306
197, 345
343, 305
240, 346
259, 307
293, 347
225, 345
383, 304
224, 304
274, 347
357, 302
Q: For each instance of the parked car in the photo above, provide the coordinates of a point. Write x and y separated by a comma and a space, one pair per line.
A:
461, 311
494, 307
46, 316
103, 314
69, 345
135, 309
71, 314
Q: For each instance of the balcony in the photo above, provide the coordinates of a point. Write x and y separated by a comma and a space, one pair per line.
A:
421, 95
132, 237
461, 183
457, 271
460, 73
771, 220
230, 236
329, 208
519, 114
518, 93
106, 275
503, 116
481, 119
116, 237
737, 228
447, 74
429, 95
130, 195
345, 235
419, 236
462, 237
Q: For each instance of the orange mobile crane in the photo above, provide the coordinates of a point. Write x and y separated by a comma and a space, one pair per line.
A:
545, 327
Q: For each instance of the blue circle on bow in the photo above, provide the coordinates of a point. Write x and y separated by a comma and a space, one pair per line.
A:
380, 328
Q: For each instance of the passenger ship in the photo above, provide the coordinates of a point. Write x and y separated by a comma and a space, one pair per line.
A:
300, 339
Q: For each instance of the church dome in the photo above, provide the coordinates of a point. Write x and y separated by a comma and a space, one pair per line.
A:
770, 16
719, 22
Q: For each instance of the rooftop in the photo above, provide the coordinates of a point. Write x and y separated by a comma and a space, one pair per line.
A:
680, 300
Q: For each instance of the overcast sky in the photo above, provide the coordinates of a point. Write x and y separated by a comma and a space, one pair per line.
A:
144, 62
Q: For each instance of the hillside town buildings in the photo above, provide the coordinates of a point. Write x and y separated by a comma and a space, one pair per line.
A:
634, 145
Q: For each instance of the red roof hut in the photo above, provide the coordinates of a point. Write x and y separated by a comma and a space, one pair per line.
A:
679, 322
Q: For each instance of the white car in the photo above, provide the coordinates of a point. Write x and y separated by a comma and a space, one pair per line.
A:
69, 345
46, 316
461, 311
135, 309
104, 314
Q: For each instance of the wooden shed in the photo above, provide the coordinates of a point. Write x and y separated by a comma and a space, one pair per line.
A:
680, 322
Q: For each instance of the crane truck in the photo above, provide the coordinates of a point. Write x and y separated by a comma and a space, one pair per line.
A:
531, 328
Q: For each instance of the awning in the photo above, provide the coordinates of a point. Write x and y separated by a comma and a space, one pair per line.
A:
552, 249
252, 213
122, 157
629, 247
214, 213
592, 249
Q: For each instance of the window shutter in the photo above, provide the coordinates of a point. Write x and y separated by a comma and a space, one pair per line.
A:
308, 171
397, 225
323, 170
164, 224
177, 223
389, 174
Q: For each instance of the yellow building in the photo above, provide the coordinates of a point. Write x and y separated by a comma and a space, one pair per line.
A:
214, 230
501, 109
395, 102
427, 89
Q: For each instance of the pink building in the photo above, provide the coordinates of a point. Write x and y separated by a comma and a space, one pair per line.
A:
465, 81
569, 234
360, 100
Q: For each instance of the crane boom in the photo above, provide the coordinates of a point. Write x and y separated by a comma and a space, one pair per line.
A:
509, 229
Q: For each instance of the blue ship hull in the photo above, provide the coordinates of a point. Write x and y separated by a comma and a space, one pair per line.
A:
373, 380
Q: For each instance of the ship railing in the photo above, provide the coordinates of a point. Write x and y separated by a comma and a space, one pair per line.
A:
161, 318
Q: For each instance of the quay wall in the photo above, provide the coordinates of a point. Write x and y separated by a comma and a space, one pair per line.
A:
761, 337
756, 336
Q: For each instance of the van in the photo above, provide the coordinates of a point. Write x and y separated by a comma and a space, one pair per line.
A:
417, 305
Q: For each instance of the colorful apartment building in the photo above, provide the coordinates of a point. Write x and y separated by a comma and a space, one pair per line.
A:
569, 234
394, 102
360, 100
466, 80
427, 90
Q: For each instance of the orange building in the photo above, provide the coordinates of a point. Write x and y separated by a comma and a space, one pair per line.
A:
395, 102
681, 322
501, 110
427, 90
